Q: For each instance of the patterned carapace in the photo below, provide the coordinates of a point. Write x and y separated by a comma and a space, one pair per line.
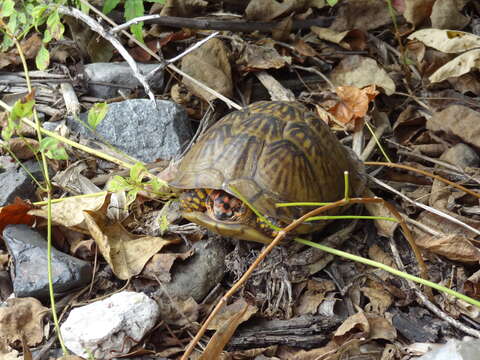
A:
270, 152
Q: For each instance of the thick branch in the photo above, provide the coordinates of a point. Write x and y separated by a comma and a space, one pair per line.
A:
230, 25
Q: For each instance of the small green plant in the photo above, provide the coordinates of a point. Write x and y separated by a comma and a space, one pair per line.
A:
18, 18
96, 114
133, 9
135, 183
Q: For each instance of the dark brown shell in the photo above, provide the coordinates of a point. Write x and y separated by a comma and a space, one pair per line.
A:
271, 152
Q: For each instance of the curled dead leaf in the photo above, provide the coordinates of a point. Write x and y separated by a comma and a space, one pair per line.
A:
350, 40
447, 41
126, 253
210, 65
459, 66
22, 320
455, 247
360, 71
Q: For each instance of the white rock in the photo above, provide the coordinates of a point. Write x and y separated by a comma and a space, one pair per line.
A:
467, 349
109, 327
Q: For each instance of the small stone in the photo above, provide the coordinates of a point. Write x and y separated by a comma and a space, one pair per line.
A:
111, 326
455, 350
29, 252
142, 131
208, 265
119, 74
15, 182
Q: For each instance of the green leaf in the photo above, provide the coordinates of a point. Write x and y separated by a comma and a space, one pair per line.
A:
164, 223
37, 15
53, 149
42, 60
133, 9
131, 196
55, 26
157, 184
7, 8
137, 171
109, 5
23, 108
47, 36
13, 23
332, 2
118, 183
96, 114
7, 131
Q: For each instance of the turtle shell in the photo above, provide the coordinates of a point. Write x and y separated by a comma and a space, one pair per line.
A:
271, 152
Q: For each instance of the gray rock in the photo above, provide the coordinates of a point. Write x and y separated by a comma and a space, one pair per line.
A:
196, 276
16, 182
111, 326
29, 252
118, 77
142, 131
454, 349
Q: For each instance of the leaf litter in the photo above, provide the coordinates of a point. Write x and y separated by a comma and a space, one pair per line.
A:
348, 70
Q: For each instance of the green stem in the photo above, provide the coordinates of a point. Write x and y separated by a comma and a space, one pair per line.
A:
389, 269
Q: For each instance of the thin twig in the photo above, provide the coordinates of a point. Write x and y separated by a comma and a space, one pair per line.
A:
95, 26
425, 207
428, 304
426, 173
281, 234
230, 103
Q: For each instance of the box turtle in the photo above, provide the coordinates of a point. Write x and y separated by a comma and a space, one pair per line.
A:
270, 152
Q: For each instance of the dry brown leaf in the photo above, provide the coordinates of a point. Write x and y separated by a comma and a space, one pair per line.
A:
178, 312
381, 328
266, 10
226, 322
459, 66
384, 227
455, 247
466, 83
16, 213
303, 48
23, 148
376, 253
438, 223
183, 8
361, 14
126, 253
313, 297
447, 41
30, 48
22, 318
260, 57
158, 268
350, 40
355, 326
380, 300
209, 64
459, 121
446, 15
83, 249
471, 287
360, 71
69, 212
353, 106
417, 11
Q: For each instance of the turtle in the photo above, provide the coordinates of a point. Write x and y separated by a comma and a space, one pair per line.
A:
270, 152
